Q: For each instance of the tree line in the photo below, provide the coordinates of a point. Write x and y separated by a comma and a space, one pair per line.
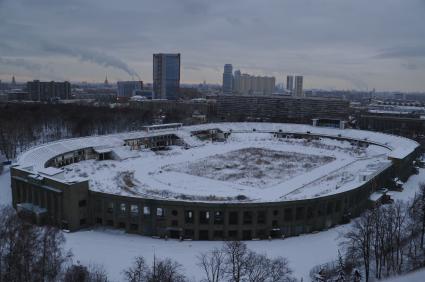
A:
385, 241
25, 125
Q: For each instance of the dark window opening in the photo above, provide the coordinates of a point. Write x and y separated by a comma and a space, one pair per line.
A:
189, 233
232, 234
99, 220
299, 213
247, 217
233, 218
246, 235
83, 221
218, 234
329, 209
203, 235
82, 203
121, 225
310, 213
288, 214
261, 217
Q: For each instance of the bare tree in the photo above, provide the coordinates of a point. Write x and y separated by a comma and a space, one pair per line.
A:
359, 240
212, 263
138, 272
166, 270
236, 259
82, 273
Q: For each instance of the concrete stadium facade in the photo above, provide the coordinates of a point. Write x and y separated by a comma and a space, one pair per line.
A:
40, 195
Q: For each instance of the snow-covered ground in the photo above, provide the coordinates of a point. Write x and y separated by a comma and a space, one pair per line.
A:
252, 167
115, 250
416, 276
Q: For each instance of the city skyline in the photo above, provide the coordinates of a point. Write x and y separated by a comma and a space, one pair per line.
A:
80, 42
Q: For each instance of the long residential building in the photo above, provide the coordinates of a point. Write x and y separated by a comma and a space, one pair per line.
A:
280, 108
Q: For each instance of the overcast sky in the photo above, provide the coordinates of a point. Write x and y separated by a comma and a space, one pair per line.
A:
335, 44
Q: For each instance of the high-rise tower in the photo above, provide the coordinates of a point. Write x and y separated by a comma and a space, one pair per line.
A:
166, 76
228, 79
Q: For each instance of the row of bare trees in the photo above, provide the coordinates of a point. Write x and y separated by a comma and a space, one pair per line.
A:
385, 241
233, 262
25, 125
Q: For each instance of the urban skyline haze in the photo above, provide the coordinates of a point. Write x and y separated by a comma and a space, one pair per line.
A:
336, 44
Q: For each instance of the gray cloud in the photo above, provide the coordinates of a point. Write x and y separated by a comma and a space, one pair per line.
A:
402, 52
341, 42
22, 63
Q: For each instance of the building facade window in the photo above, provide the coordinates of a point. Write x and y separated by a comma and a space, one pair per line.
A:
189, 216
134, 209
146, 210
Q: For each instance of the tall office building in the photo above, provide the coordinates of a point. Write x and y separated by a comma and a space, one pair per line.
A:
228, 79
290, 83
48, 91
127, 89
166, 76
298, 89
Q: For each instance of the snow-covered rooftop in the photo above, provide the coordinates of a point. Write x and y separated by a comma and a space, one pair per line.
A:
251, 165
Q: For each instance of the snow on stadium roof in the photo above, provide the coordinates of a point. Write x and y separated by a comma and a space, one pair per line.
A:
36, 158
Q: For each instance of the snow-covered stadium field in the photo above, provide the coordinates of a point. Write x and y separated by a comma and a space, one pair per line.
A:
249, 167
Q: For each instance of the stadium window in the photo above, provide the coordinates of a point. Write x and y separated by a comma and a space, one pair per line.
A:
261, 217
218, 217
288, 214
299, 213
338, 206
218, 234
204, 217
123, 207
247, 217
310, 213
189, 216
110, 208
233, 217
329, 208
232, 234
82, 203
160, 212
146, 211
134, 209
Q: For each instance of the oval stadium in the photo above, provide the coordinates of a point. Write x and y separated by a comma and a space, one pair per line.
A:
216, 181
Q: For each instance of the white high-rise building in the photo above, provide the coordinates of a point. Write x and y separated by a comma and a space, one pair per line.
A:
246, 84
